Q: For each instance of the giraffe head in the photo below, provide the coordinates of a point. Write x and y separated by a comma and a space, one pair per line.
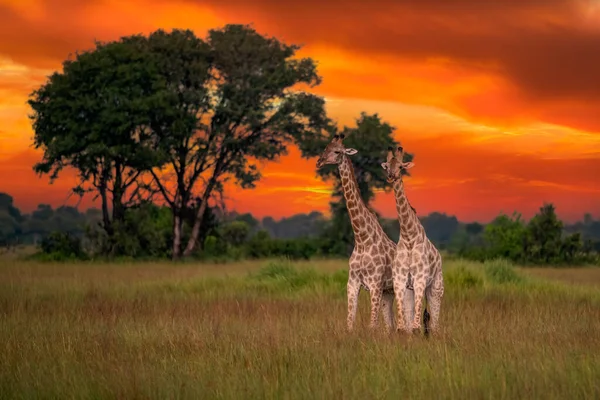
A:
334, 152
394, 164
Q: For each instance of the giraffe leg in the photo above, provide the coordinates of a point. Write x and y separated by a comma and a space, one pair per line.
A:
419, 285
353, 289
434, 294
400, 279
409, 307
376, 295
388, 309
426, 318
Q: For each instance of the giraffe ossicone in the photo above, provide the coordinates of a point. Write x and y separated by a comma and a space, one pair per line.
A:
415, 255
370, 265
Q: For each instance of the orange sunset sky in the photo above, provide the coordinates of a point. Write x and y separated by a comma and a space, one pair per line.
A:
498, 100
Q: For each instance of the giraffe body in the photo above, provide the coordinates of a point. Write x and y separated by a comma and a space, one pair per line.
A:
415, 256
370, 265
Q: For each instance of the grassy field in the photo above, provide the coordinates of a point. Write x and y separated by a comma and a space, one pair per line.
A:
272, 329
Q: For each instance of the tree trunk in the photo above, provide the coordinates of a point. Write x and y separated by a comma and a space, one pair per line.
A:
177, 233
105, 215
117, 198
191, 245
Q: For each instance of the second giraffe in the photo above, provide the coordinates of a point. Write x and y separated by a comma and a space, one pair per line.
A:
415, 255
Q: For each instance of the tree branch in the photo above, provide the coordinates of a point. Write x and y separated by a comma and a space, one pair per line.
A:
163, 190
134, 177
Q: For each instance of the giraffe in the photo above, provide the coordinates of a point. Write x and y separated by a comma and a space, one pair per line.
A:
415, 256
370, 265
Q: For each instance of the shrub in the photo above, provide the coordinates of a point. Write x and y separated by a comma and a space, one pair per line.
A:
501, 271
61, 245
462, 277
283, 275
285, 272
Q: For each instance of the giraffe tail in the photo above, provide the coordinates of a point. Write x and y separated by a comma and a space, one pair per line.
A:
426, 318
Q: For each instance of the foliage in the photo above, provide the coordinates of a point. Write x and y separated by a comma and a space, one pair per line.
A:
9, 228
540, 241
505, 237
89, 117
10, 220
62, 245
145, 232
544, 237
234, 233
463, 278
500, 271
285, 276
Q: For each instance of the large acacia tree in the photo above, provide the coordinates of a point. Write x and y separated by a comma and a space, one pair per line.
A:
245, 108
191, 113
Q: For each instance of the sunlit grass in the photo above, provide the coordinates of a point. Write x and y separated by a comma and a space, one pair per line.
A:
272, 329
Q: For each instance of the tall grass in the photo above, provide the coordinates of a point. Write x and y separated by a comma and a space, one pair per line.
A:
276, 330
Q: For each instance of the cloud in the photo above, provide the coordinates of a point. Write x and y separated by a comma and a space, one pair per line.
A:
539, 51
49, 30
507, 61
437, 131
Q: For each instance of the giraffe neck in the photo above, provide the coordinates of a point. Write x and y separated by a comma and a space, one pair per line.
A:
410, 226
361, 217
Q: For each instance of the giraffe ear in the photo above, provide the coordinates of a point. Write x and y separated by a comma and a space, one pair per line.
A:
408, 165
350, 151
384, 166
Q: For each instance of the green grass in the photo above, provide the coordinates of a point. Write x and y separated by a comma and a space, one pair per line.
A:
273, 329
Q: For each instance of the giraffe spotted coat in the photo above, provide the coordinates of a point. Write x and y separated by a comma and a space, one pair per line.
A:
415, 255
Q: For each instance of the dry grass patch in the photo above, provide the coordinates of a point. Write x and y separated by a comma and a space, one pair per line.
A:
586, 276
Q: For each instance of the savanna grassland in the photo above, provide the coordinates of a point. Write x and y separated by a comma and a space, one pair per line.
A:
273, 329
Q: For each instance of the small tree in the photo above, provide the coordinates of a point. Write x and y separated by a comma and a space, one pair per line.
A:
544, 233
235, 233
571, 247
505, 237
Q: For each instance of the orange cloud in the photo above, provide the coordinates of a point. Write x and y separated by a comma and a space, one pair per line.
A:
545, 50
498, 100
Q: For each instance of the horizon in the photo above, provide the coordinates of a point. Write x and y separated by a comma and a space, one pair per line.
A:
501, 116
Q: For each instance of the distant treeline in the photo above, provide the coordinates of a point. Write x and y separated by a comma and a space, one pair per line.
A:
65, 232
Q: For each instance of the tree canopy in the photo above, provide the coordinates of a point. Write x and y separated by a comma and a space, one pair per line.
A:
90, 116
